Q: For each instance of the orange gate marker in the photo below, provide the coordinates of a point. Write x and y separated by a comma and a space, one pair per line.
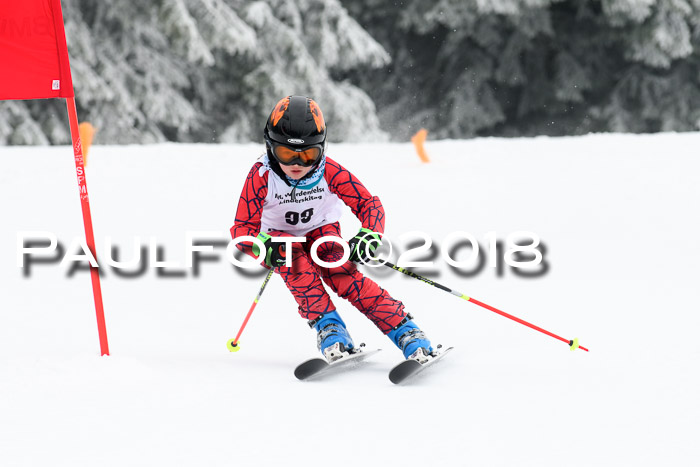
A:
87, 131
418, 139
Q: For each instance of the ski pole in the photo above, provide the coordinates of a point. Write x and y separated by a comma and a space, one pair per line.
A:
573, 344
232, 344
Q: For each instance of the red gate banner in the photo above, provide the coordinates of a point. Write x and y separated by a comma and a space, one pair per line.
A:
33, 52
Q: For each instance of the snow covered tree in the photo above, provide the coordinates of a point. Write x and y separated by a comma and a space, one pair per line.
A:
301, 43
658, 88
522, 67
211, 70
458, 67
202, 70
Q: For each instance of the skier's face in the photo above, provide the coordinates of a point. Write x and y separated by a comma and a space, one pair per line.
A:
295, 171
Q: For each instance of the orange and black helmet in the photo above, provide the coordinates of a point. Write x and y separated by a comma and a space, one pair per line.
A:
295, 132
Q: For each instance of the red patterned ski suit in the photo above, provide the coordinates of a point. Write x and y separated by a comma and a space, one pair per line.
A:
304, 277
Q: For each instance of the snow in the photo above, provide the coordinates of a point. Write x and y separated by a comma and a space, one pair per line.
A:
617, 214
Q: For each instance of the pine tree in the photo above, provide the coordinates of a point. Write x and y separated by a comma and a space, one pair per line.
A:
202, 70
210, 70
301, 44
522, 67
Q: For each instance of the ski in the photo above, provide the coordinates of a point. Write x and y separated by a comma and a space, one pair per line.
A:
411, 367
317, 366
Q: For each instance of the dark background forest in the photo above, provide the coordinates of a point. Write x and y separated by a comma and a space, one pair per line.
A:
211, 70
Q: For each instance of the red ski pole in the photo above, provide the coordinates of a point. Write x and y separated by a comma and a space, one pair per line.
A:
232, 344
573, 344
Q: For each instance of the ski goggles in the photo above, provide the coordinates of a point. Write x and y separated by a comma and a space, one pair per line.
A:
306, 156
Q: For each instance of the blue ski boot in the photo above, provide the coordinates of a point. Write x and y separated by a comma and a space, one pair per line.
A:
411, 340
333, 339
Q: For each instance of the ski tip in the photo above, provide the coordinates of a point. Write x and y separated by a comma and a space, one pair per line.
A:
310, 368
233, 347
403, 370
574, 344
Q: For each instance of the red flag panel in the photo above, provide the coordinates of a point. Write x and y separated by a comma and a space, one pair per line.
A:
33, 54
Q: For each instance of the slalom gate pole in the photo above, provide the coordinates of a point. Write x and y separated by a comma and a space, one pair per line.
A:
232, 344
573, 344
87, 222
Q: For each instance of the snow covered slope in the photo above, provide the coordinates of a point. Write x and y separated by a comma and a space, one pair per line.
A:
617, 215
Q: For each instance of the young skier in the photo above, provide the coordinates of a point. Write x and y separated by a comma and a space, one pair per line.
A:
296, 190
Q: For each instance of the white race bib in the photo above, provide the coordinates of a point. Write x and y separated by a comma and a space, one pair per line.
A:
310, 209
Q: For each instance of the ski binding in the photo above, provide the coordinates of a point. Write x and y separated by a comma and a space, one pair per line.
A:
319, 365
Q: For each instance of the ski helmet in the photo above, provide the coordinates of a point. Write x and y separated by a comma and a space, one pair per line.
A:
295, 132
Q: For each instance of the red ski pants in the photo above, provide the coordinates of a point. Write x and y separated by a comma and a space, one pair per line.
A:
304, 278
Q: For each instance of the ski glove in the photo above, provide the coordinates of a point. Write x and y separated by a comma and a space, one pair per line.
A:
363, 245
276, 254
